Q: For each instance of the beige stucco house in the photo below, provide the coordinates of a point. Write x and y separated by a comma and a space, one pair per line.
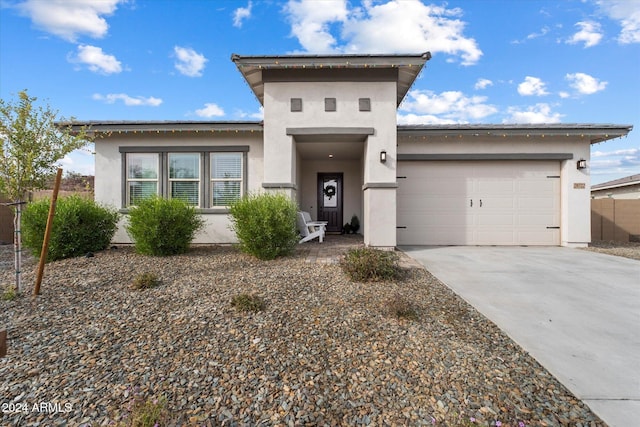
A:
330, 140
623, 188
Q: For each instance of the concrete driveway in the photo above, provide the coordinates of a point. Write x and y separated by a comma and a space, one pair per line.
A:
575, 312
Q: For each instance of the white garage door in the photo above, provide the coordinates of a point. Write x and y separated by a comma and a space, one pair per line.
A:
478, 203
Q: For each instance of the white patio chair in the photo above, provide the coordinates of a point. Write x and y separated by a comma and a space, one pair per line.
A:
309, 229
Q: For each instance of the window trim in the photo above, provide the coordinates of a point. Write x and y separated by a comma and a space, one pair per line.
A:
205, 165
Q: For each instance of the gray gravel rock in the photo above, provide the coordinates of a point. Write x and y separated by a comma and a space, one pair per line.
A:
325, 351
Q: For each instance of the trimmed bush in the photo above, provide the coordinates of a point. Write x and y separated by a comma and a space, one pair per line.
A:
370, 265
163, 226
79, 226
265, 224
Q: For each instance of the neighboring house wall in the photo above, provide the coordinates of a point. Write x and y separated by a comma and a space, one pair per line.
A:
617, 220
623, 192
110, 172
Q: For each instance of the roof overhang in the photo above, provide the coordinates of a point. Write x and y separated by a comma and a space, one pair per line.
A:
109, 127
594, 132
257, 69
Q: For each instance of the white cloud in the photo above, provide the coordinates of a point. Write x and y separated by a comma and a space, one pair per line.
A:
590, 34
240, 14
483, 84
620, 162
539, 113
393, 26
210, 110
564, 94
532, 86
310, 21
627, 13
447, 107
585, 84
252, 116
96, 60
542, 32
189, 62
425, 119
130, 101
70, 18
624, 152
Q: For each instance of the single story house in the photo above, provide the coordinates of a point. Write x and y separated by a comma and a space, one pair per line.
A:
330, 140
623, 188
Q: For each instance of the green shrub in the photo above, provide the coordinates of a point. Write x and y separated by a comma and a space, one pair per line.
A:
248, 302
163, 226
145, 281
370, 265
79, 226
355, 224
265, 224
9, 294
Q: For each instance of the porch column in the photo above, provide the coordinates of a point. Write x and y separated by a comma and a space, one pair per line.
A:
380, 215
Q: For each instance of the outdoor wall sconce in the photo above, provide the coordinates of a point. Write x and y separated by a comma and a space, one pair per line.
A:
582, 164
383, 156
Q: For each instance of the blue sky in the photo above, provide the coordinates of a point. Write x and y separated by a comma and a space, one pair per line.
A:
494, 61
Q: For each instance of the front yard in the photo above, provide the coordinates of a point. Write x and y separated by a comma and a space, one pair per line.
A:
325, 351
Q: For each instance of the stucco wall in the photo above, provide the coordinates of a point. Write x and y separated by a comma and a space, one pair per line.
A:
352, 186
280, 152
109, 185
575, 229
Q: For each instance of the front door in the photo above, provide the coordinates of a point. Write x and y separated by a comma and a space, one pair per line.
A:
330, 200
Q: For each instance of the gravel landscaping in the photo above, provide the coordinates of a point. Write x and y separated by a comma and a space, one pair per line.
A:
325, 351
623, 249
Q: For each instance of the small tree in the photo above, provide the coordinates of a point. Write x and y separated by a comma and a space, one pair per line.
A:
32, 144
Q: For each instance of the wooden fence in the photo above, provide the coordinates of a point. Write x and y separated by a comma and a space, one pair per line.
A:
615, 219
6, 223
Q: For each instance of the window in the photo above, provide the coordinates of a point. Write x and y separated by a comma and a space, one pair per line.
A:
142, 176
364, 104
296, 105
329, 104
184, 177
226, 178
203, 176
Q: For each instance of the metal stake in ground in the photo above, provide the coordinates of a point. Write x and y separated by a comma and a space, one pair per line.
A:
47, 233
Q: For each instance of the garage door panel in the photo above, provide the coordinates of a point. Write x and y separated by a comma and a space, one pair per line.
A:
496, 220
439, 202
438, 236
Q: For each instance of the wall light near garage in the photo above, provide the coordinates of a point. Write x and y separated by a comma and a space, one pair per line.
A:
383, 156
582, 164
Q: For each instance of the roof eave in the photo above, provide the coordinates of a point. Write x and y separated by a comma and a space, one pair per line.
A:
103, 127
409, 64
595, 132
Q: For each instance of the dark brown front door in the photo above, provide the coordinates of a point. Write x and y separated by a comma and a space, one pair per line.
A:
330, 200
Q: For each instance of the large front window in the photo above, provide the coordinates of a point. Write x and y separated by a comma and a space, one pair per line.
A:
207, 177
